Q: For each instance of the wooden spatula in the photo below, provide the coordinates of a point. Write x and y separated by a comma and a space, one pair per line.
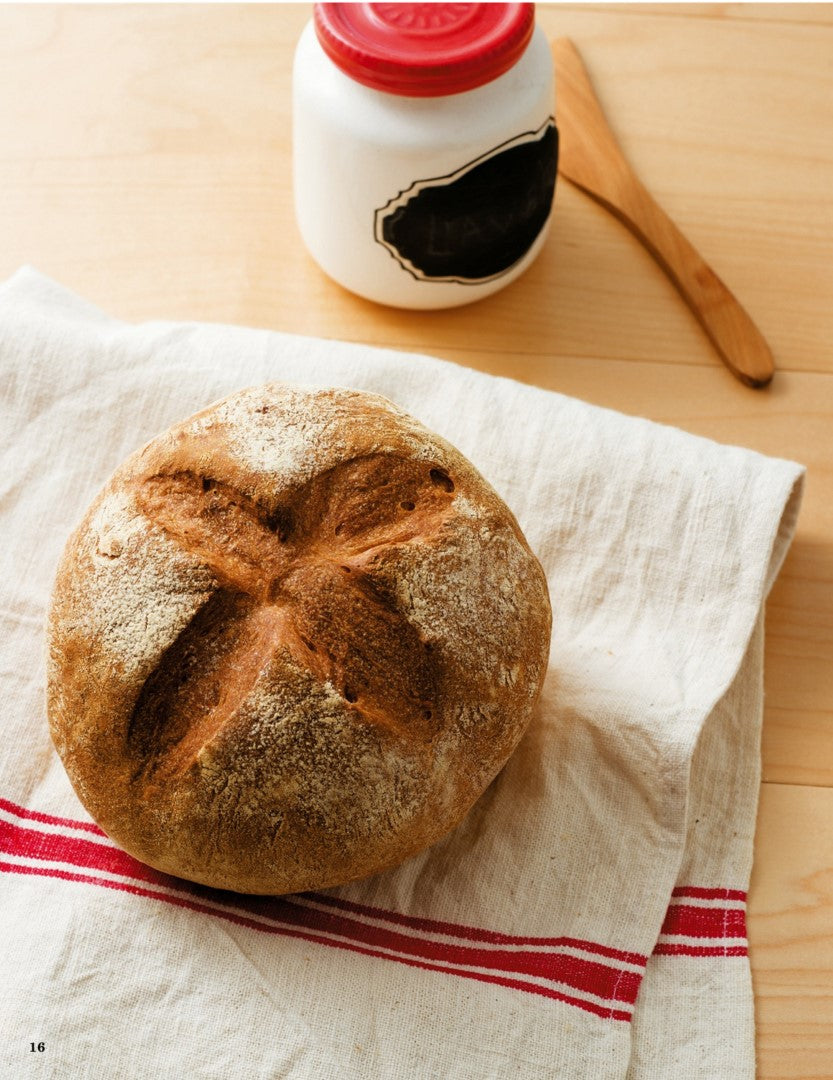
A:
590, 158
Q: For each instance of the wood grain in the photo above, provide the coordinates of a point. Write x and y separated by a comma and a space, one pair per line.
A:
144, 162
791, 913
789, 12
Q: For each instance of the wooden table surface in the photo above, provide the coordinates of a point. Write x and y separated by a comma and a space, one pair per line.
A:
145, 163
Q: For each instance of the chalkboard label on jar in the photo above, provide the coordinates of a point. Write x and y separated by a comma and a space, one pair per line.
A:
475, 224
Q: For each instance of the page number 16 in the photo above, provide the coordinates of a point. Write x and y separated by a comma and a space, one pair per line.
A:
37, 1048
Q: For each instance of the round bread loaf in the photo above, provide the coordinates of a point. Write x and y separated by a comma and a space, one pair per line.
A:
293, 640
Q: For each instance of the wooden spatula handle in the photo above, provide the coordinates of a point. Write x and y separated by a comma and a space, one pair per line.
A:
732, 332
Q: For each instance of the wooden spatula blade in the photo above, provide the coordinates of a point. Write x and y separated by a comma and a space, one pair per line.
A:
590, 158
584, 128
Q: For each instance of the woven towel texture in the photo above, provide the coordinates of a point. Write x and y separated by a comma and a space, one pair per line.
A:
586, 921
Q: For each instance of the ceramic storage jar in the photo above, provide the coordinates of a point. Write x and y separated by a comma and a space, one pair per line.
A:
425, 149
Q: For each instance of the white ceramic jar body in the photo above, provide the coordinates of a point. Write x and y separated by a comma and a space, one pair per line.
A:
417, 202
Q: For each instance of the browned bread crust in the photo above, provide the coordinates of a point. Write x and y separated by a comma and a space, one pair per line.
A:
292, 641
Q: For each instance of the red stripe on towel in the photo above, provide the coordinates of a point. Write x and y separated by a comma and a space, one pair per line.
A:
670, 949
48, 819
510, 961
483, 955
472, 933
607, 1012
705, 922
696, 892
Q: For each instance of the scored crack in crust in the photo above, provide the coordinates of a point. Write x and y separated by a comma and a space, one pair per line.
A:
293, 640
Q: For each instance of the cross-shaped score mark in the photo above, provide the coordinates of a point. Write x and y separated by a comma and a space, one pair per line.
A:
296, 576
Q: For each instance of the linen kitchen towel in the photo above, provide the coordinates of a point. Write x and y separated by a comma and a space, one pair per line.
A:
585, 921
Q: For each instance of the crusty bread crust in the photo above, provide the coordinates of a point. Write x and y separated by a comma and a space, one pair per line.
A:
293, 640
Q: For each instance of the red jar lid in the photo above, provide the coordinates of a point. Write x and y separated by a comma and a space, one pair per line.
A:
424, 50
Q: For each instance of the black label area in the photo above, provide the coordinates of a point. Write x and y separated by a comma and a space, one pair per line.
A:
474, 224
